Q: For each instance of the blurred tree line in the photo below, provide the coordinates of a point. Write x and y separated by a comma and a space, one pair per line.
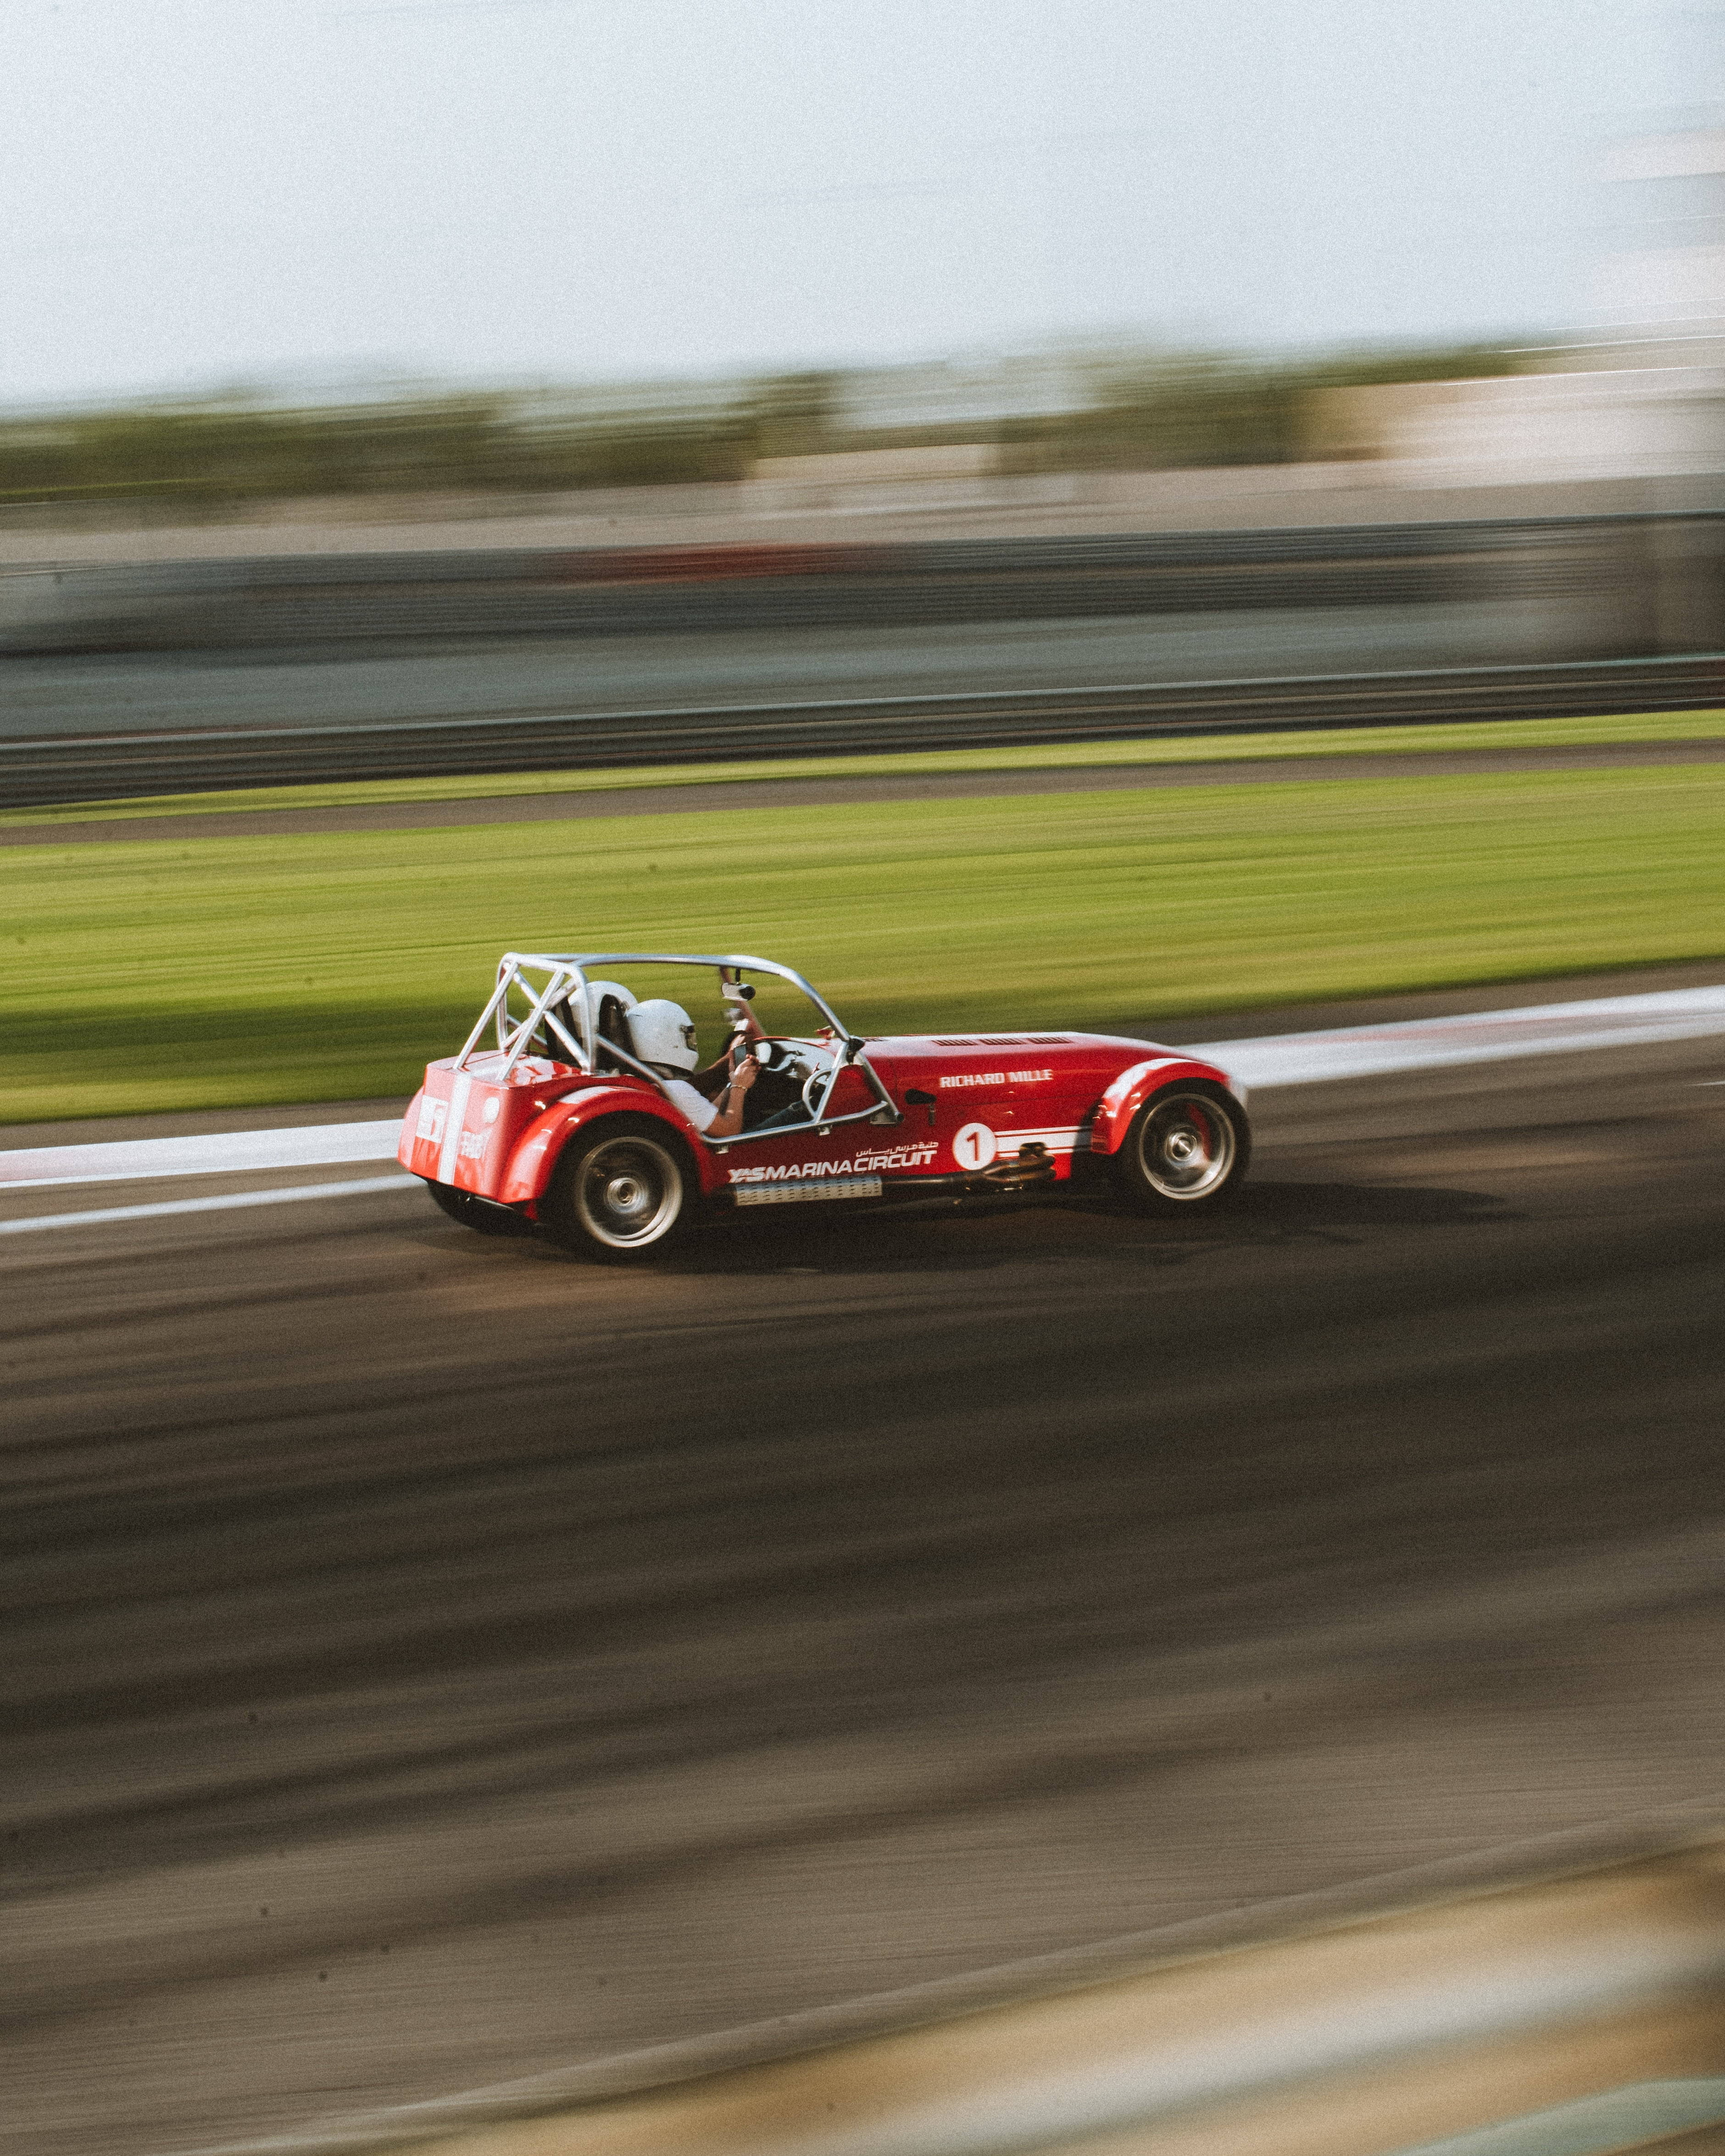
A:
1187, 411
1139, 412
212, 455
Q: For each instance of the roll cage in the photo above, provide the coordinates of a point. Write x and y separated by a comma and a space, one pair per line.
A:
518, 1008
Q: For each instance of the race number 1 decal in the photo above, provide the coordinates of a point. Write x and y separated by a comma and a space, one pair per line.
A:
975, 1146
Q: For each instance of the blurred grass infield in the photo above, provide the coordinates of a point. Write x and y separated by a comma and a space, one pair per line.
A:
1641, 728
155, 974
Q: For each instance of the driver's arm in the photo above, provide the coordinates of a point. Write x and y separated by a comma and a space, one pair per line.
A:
745, 1032
728, 1122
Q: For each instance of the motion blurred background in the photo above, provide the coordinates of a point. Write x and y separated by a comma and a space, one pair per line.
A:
298, 297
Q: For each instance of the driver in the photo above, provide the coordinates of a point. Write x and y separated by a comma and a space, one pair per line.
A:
662, 1035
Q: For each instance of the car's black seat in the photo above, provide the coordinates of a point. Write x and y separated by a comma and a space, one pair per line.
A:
611, 1025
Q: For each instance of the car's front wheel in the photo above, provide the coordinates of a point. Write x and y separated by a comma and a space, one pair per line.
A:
1188, 1145
620, 1192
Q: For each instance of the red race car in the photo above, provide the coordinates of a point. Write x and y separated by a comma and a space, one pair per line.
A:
581, 1104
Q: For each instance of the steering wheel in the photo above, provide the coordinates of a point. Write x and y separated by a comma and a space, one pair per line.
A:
814, 1084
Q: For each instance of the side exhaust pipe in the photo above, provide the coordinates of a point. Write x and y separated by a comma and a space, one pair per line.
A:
1032, 1165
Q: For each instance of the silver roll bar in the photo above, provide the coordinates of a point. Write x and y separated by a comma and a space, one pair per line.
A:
567, 971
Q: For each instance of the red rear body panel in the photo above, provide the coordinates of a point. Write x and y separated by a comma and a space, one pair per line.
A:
501, 1140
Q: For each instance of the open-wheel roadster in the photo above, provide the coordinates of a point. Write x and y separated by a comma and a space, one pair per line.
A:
551, 1115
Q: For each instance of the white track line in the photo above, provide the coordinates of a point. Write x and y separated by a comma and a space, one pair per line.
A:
220, 1153
1430, 1043
359, 1185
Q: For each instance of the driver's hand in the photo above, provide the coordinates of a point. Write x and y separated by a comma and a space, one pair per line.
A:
744, 1072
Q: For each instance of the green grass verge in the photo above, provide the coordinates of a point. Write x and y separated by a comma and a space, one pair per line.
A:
172, 973
1641, 728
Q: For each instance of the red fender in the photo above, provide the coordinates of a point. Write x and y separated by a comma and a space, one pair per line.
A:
1134, 1086
530, 1165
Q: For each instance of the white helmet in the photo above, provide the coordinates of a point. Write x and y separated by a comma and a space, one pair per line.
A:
663, 1032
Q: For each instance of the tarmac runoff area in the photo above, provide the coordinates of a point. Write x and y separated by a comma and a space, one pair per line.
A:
444, 1673
744, 795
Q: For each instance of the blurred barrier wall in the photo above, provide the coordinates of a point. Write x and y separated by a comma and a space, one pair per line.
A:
1419, 621
1555, 588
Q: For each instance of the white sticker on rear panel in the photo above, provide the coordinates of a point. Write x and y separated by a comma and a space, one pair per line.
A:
975, 1146
452, 1130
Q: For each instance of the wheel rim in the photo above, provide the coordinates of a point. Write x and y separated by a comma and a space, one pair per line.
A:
1186, 1147
627, 1192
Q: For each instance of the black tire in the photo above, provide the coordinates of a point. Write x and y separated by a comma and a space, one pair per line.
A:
479, 1213
1190, 1144
622, 1193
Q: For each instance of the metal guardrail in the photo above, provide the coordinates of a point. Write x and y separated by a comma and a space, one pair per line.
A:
48, 768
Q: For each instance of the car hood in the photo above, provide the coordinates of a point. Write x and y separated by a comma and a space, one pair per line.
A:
900, 1058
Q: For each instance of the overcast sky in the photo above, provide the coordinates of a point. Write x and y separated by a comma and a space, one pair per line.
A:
207, 192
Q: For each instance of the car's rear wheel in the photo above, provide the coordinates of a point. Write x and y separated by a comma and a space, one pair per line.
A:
1188, 1145
479, 1213
621, 1193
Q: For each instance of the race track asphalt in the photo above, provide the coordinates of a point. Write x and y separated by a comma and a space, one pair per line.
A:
434, 1660
741, 795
